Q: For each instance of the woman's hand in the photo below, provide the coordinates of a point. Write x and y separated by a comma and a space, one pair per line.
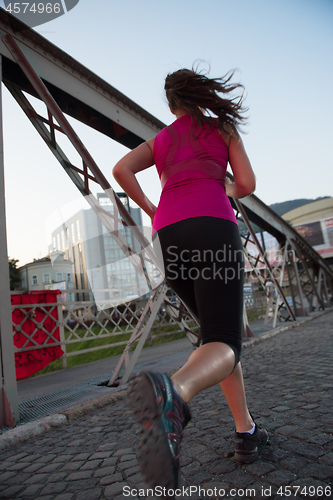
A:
227, 186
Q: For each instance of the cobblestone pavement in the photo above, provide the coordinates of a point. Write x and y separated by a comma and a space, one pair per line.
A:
289, 382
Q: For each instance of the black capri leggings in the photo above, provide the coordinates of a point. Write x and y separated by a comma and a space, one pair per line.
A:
204, 264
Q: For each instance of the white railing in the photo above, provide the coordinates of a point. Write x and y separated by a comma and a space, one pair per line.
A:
81, 321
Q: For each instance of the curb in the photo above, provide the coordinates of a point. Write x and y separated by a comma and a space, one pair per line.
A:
42, 425
32, 429
37, 427
83, 409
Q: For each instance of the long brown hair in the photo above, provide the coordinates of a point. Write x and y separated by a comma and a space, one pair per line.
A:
196, 94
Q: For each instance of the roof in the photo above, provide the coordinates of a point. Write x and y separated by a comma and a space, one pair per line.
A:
316, 210
44, 260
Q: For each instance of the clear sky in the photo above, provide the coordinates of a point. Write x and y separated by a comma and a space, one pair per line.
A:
283, 50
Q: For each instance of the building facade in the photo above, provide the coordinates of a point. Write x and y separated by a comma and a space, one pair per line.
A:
51, 270
99, 264
314, 222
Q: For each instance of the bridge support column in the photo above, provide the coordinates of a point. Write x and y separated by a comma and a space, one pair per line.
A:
9, 413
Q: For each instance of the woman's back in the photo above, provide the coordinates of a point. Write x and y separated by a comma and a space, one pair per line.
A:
191, 163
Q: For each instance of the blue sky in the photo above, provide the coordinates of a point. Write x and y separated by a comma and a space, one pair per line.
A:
282, 49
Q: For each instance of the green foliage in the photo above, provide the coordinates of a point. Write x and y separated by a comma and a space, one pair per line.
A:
14, 274
88, 357
255, 315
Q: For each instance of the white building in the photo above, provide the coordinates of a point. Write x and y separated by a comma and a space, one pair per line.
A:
50, 270
98, 262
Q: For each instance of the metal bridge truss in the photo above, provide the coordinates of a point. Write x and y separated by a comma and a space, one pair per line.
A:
32, 65
306, 274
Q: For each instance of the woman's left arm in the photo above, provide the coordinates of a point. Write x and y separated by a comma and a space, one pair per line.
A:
124, 172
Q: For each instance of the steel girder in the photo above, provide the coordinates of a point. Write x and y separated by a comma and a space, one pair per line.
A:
79, 92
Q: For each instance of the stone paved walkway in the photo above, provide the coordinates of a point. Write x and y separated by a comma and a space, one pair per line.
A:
289, 383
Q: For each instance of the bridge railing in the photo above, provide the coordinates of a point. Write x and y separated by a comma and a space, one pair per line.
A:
82, 326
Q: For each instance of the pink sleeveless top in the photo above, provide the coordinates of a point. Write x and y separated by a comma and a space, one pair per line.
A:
192, 168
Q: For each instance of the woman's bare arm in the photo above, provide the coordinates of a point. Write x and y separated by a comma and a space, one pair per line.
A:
124, 172
244, 178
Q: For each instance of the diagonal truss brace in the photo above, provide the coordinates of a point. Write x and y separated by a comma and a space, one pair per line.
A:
313, 289
322, 286
142, 331
263, 256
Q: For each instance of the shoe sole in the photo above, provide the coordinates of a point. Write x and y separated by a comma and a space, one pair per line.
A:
241, 458
142, 401
155, 458
244, 457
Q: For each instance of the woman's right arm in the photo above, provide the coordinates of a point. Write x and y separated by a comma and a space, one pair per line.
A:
244, 179
124, 172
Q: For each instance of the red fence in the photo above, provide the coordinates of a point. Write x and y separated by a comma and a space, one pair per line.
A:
33, 327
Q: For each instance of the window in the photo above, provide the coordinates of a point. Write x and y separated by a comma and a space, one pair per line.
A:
58, 241
104, 201
46, 278
23, 282
58, 276
73, 232
69, 277
78, 229
34, 279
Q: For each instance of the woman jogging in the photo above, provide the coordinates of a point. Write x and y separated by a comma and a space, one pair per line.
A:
197, 231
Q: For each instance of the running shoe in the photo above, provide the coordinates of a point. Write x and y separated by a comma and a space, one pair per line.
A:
163, 415
247, 445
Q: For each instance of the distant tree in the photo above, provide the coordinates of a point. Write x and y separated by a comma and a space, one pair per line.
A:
14, 274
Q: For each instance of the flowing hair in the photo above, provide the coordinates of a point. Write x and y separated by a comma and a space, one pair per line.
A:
199, 96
